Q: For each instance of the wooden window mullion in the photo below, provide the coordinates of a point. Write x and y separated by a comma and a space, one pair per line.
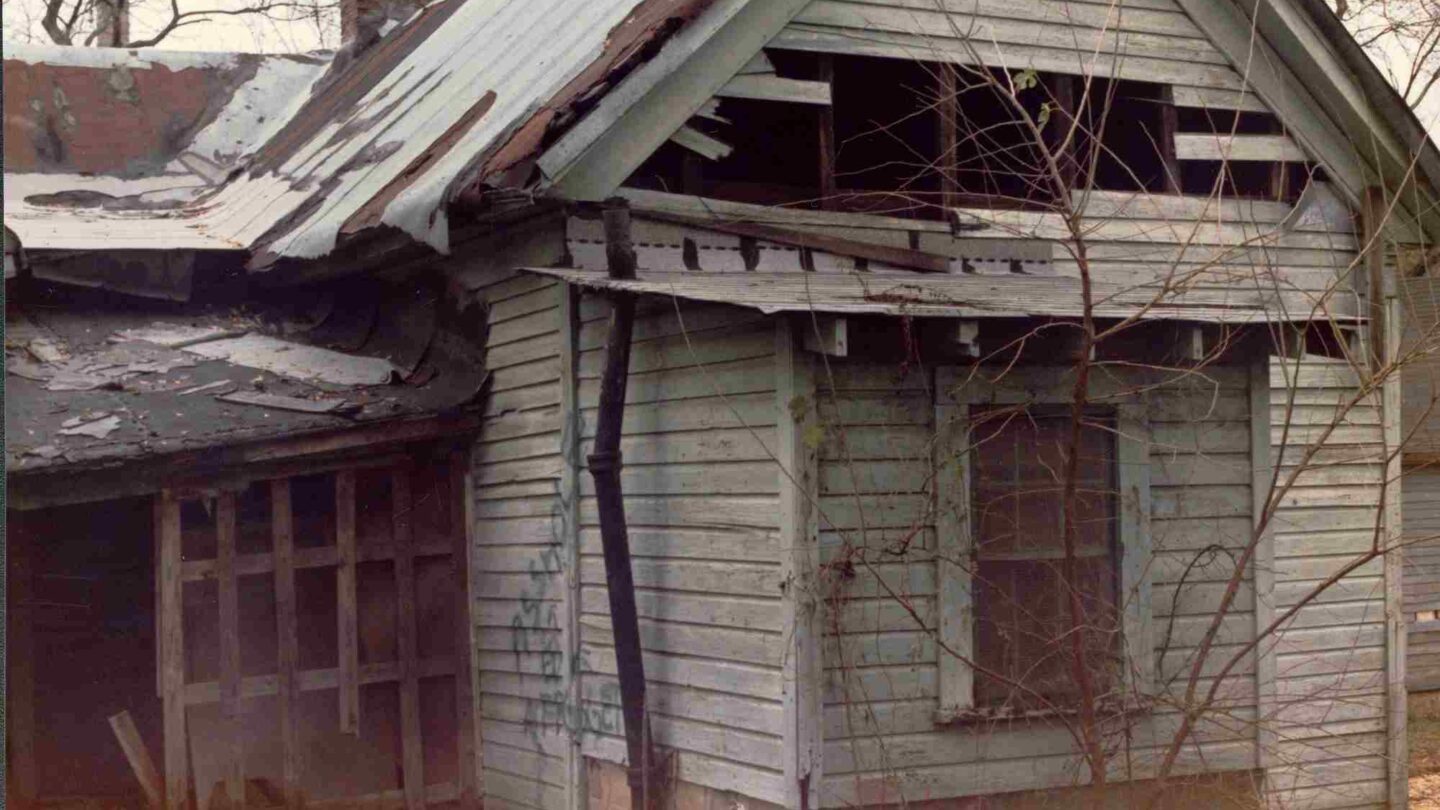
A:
412, 755
283, 533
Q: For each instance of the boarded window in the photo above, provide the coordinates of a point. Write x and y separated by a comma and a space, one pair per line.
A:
1024, 610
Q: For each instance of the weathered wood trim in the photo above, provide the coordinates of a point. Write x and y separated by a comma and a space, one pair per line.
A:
1132, 453
471, 632
287, 630
172, 651
803, 663
1263, 570
568, 519
954, 547
1397, 747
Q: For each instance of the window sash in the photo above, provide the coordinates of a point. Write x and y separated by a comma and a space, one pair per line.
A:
953, 523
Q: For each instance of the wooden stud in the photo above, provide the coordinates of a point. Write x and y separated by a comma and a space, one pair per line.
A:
172, 644
229, 587
20, 663
1371, 283
803, 663
412, 755
947, 112
348, 629
826, 117
140, 762
283, 531
1165, 140
464, 646
1062, 117
1263, 571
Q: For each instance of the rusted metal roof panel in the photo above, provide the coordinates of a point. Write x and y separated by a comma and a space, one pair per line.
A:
955, 296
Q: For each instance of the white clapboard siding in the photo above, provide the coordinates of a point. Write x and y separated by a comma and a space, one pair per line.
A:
1420, 489
701, 497
877, 518
1330, 660
519, 556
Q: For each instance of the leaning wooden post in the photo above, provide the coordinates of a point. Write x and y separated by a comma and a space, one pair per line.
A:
604, 465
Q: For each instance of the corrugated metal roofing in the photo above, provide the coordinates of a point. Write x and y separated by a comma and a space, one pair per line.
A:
952, 296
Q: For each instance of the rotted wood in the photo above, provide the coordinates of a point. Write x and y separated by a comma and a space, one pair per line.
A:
604, 465
283, 533
229, 585
412, 755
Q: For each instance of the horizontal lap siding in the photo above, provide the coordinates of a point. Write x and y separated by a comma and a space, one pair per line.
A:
1330, 661
877, 532
702, 503
520, 585
1420, 489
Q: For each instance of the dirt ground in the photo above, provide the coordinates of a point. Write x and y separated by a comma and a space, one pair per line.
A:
1424, 728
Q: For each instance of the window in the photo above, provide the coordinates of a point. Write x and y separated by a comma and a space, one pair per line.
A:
1022, 607
1003, 601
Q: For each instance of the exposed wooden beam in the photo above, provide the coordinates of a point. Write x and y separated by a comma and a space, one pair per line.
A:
1165, 140
946, 113
761, 87
825, 118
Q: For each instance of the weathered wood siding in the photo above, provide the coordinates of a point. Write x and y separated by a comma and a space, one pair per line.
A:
1330, 707
520, 554
882, 741
702, 503
1421, 489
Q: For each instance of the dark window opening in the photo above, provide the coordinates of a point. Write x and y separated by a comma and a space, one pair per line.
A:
1128, 119
1196, 119
1023, 618
887, 136
1245, 179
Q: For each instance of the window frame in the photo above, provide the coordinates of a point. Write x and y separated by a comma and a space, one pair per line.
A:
955, 624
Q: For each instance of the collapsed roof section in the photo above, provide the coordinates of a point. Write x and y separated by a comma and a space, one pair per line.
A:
385, 139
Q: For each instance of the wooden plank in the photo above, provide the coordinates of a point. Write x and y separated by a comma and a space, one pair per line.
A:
1206, 146
761, 87
802, 660
1263, 570
464, 644
233, 748
701, 144
348, 628
172, 644
954, 547
283, 535
139, 758
412, 754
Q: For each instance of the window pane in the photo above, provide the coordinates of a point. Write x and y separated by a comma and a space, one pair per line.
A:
1022, 600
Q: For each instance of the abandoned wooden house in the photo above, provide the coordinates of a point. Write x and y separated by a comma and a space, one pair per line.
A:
546, 388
